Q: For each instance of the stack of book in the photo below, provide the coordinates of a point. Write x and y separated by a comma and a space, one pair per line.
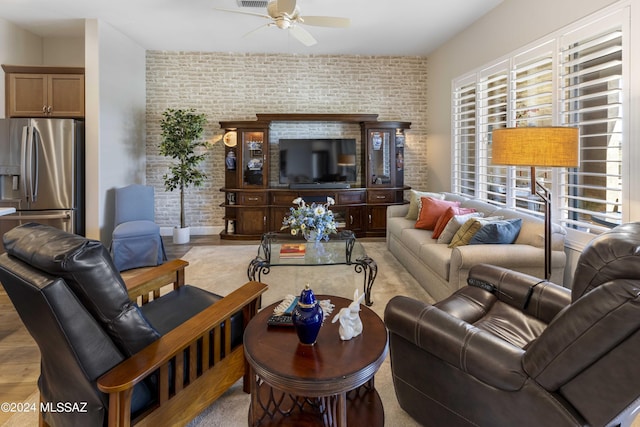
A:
292, 250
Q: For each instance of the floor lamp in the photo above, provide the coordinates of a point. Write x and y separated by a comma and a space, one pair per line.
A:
537, 147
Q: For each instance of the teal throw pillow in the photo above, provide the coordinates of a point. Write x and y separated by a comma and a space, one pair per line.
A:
504, 231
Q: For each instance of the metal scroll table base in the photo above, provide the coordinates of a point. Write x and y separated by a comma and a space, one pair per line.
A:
364, 264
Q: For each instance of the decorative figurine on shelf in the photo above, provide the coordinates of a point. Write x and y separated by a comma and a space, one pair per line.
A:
350, 323
231, 160
307, 317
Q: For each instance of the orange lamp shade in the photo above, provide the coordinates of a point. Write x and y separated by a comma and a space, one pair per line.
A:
554, 146
346, 159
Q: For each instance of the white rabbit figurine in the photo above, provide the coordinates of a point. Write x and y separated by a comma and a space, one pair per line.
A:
350, 323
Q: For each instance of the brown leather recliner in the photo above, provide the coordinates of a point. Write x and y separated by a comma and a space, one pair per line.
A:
514, 350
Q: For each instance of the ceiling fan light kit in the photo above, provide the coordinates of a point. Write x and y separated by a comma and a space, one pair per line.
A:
285, 15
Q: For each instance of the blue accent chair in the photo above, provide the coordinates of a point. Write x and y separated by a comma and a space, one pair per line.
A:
136, 240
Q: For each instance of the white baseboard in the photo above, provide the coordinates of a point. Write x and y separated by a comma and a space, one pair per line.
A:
195, 231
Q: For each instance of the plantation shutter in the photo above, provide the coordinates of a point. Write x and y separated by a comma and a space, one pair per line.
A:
592, 79
464, 136
532, 98
493, 114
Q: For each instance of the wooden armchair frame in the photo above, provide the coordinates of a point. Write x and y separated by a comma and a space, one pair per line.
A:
204, 382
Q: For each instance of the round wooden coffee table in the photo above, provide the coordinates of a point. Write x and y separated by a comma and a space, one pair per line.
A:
330, 383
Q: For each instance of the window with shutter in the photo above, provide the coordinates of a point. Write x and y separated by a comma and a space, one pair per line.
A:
592, 73
575, 77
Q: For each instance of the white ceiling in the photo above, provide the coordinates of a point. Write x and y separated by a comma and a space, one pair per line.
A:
378, 27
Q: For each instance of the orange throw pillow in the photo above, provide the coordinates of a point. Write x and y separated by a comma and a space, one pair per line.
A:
446, 216
431, 210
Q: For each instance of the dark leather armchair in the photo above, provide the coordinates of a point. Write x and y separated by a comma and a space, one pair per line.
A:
514, 350
161, 362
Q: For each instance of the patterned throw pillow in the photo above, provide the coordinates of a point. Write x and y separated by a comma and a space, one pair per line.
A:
454, 225
446, 216
464, 235
431, 210
414, 202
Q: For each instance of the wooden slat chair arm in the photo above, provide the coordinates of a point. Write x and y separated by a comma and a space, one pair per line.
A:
144, 284
201, 389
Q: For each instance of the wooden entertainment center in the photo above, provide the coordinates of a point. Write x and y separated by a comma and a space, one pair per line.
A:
252, 206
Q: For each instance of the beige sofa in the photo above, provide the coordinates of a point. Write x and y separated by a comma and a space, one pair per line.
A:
442, 270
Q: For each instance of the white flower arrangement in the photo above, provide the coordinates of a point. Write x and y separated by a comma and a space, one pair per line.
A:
306, 219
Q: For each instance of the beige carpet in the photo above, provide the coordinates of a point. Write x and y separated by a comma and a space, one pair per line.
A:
222, 269
225, 267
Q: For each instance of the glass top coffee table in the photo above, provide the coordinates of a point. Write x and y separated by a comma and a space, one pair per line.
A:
283, 249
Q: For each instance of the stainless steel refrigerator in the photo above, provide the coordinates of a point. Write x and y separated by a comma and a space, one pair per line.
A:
42, 173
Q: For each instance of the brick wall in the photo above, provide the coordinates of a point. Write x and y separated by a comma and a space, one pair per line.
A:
230, 87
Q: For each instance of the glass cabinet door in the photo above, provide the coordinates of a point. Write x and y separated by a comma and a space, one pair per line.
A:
253, 159
380, 150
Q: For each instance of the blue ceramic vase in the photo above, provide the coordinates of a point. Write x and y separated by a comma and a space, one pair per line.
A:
307, 317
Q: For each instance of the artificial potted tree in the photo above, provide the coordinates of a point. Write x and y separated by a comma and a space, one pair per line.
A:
181, 132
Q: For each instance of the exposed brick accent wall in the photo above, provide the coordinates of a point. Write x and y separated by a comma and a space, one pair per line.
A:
228, 87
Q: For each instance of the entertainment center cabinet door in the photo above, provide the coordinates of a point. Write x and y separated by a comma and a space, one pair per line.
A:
351, 209
276, 216
280, 203
254, 158
251, 221
384, 160
353, 219
381, 149
376, 220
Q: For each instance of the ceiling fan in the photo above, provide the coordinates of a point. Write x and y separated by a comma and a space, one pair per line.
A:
285, 15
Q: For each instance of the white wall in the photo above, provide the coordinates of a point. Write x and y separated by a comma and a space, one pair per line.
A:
63, 51
17, 47
115, 121
92, 129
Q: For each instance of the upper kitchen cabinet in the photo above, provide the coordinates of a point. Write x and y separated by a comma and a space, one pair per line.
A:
33, 91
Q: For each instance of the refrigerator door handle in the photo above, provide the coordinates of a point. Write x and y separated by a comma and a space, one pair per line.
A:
35, 155
25, 156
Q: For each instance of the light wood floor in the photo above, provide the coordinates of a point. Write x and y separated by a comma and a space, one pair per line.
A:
19, 354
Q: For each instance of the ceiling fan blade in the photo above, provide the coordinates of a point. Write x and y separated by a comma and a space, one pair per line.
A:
326, 21
241, 12
252, 32
286, 6
302, 35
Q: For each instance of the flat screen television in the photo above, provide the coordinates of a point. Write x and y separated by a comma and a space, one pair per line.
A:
317, 160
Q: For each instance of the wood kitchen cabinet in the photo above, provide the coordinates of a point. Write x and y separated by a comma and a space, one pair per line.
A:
44, 91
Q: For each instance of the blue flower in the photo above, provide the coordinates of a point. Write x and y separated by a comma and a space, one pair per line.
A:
316, 218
